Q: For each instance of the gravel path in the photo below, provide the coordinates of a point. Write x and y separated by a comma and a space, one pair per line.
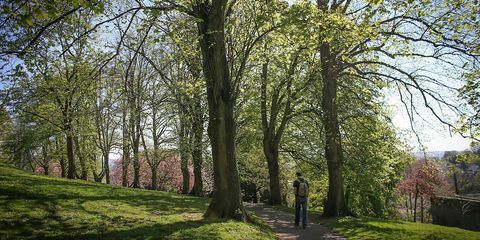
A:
282, 223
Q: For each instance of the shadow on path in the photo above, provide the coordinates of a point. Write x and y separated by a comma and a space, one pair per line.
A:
282, 223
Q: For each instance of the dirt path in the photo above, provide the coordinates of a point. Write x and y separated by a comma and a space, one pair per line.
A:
282, 223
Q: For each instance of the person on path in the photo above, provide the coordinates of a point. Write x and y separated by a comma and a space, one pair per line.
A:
301, 187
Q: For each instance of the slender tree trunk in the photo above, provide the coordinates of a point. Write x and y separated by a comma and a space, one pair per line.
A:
61, 160
106, 168
185, 150
226, 201
415, 204
45, 160
197, 158
135, 126
421, 209
125, 149
81, 159
154, 184
184, 156
70, 155
411, 204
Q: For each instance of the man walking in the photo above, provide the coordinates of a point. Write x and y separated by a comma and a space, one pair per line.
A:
301, 196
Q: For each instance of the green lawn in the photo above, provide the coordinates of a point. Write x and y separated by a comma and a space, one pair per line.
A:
363, 228
371, 228
38, 207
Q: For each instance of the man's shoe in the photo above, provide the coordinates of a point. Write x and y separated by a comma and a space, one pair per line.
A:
304, 226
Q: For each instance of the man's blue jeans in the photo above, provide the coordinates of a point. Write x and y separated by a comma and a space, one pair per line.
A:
301, 202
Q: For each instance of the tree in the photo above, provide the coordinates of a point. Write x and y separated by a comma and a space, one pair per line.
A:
423, 179
106, 106
284, 93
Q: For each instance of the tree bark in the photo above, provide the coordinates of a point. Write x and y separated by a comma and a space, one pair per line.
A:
106, 167
45, 170
70, 156
197, 158
421, 209
185, 174
226, 201
81, 159
271, 136
411, 204
184, 153
136, 165
61, 160
415, 204
271, 153
154, 177
135, 134
335, 205
125, 149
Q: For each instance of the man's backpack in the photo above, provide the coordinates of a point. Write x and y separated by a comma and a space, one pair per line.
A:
303, 189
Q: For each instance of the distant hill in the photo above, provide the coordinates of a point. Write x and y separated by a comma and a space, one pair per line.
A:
430, 154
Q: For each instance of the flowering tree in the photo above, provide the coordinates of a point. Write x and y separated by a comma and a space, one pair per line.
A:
169, 174
423, 179
54, 169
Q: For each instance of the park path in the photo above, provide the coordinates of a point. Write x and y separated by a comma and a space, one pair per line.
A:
282, 223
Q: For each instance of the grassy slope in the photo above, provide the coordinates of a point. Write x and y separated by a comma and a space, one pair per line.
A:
363, 228
33, 206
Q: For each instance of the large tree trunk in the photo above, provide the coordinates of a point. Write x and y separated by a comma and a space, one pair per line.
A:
271, 153
197, 158
226, 201
336, 205
270, 145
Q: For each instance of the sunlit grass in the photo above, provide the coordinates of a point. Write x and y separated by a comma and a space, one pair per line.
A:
363, 228
39, 207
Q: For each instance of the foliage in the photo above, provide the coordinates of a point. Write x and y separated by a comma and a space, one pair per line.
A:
424, 178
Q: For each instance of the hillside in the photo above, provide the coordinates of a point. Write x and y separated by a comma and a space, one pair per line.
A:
34, 207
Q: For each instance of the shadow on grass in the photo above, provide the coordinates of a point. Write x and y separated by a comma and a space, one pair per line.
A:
48, 208
177, 230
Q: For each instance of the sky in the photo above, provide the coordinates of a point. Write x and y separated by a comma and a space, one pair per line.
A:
433, 135
434, 139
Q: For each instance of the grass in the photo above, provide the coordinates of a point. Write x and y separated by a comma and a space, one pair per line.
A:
39, 207
363, 228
